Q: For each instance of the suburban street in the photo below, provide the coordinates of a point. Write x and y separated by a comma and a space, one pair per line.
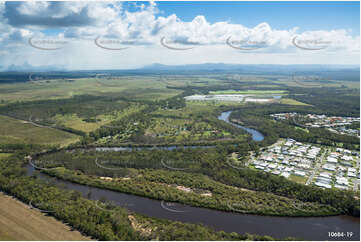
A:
356, 181
317, 167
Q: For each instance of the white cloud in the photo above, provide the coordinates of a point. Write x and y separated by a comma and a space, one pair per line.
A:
82, 22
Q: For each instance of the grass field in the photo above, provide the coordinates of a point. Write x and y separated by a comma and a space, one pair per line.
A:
290, 101
4, 155
139, 87
299, 179
14, 131
259, 92
19, 222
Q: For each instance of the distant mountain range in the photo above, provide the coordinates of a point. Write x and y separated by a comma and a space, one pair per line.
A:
214, 67
26, 67
334, 72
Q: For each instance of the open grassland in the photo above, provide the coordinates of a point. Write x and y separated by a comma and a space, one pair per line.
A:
191, 109
259, 92
298, 179
290, 101
19, 222
4, 155
214, 103
142, 88
316, 83
179, 130
14, 131
75, 122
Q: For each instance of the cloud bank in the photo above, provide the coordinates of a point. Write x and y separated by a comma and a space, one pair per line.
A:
145, 36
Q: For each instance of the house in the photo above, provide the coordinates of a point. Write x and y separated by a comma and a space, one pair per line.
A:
323, 180
341, 187
347, 158
331, 159
351, 174
347, 151
329, 167
275, 172
350, 169
325, 175
322, 185
299, 173
305, 166
342, 181
269, 159
259, 167
346, 163
288, 169
285, 174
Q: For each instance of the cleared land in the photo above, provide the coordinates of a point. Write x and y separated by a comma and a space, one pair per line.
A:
14, 131
19, 222
290, 101
4, 155
260, 92
138, 87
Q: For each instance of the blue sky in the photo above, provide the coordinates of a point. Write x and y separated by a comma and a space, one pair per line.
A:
280, 15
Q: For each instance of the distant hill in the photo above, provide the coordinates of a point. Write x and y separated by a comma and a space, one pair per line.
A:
333, 72
26, 67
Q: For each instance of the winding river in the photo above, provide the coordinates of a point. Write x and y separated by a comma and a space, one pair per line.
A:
314, 228
256, 135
